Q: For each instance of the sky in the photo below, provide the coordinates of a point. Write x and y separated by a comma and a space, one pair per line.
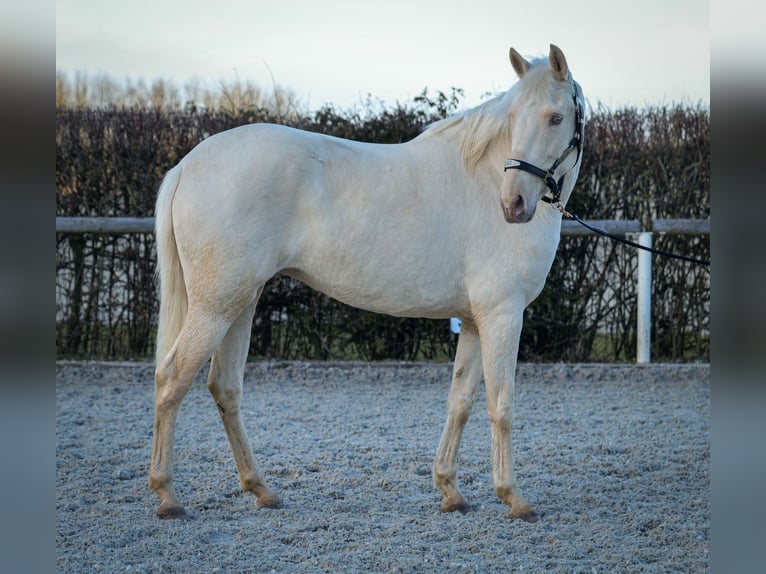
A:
651, 52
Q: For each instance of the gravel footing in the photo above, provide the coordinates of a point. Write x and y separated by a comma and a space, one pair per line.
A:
615, 460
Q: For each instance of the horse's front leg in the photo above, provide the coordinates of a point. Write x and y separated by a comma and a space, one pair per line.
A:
466, 375
500, 344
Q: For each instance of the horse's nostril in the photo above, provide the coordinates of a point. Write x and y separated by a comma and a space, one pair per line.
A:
518, 206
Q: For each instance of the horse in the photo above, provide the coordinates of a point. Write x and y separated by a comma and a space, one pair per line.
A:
416, 229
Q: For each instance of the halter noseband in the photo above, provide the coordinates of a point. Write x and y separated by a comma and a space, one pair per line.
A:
574, 143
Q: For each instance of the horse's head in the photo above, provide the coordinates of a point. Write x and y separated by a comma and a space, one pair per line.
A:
546, 124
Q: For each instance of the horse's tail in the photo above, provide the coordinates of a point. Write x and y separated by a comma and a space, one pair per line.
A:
173, 297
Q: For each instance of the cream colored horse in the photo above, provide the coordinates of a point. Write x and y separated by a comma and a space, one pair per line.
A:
418, 229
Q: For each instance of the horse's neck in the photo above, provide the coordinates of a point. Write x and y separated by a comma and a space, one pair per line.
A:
446, 150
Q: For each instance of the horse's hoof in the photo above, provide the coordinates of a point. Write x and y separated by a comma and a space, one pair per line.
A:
172, 511
454, 504
524, 513
268, 501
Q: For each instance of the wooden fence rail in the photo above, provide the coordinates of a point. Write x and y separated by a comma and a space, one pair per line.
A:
120, 225
115, 225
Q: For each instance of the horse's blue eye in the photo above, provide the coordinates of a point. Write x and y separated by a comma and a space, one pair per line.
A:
556, 119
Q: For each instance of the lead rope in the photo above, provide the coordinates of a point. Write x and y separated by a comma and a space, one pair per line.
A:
605, 233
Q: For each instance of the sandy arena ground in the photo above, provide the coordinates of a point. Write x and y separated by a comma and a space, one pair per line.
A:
615, 459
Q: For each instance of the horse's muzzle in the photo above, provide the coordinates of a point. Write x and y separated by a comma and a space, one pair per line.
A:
516, 211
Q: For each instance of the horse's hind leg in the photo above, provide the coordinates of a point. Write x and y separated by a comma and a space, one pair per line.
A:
225, 384
466, 375
200, 335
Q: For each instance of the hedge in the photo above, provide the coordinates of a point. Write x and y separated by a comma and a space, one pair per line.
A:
637, 164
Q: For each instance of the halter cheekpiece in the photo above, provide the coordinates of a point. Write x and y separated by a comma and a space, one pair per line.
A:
574, 144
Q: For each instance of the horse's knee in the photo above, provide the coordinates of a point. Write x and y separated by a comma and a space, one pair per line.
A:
459, 411
501, 418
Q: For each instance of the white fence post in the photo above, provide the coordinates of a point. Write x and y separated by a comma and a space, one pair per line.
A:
644, 309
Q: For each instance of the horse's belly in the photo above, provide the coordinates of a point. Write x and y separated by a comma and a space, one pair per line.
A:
399, 293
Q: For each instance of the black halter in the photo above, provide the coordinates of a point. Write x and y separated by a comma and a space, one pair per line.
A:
574, 144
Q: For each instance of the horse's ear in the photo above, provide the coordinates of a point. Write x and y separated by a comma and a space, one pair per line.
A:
519, 64
558, 63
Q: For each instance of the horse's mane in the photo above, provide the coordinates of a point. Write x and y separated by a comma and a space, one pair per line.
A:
479, 127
